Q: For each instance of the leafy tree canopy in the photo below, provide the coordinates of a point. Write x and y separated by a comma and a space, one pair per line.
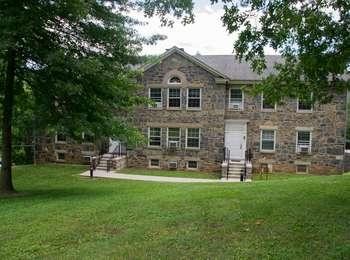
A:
312, 36
72, 59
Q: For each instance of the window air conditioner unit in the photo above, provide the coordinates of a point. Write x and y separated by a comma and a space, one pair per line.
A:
235, 105
157, 104
173, 144
172, 165
303, 149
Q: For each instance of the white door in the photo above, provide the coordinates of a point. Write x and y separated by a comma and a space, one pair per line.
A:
112, 145
235, 139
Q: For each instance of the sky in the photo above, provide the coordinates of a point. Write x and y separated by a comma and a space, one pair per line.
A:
206, 35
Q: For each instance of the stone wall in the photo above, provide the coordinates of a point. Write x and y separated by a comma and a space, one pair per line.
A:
328, 124
210, 119
326, 121
48, 151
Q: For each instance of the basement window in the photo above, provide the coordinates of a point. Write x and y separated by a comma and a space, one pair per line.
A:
154, 163
61, 156
192, 165
301, 168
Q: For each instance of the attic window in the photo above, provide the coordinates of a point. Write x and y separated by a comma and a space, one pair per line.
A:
174, 80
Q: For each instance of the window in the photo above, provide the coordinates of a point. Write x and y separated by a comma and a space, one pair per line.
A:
174, 98
61, 138
61, 156
266, 105
305, 105
154, 136
192, 165
193, 138
194, 98
303, 142
174, 80
174, 137
236, 99
88, 138
267, 143
302, 168
154, 163
155, 94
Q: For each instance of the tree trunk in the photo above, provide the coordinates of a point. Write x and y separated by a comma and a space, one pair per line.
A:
6, 185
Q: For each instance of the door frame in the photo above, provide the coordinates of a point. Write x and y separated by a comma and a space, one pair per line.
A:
242, 122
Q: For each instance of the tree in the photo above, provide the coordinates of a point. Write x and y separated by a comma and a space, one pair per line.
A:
312, 36
74, 58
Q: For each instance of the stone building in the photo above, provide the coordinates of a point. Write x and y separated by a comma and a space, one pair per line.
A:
200, 108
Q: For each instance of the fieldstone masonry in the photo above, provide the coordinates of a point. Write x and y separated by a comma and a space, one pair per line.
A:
326, 121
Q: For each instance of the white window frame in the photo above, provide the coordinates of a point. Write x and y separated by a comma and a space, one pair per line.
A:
190, 168
161, 99
199, 138
267, 109
305, 110
200, 100
230, 104
153, 166
149, 136
83, 137
61, 152
274, 140
167, 136
168, 99
296, 141
174, 83
60, 142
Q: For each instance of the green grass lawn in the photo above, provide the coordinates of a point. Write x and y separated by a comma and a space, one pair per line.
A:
61, 215
169, 173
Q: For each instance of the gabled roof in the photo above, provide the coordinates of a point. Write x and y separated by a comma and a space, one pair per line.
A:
235, 70
193, 59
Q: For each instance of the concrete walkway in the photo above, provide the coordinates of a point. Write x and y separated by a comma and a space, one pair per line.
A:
115, 175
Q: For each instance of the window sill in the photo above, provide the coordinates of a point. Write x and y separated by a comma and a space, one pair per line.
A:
268, 110
267, 151
304, 111
235, 110
154, 147
60, 142
193, 109
174, 108
299, 153
193, 148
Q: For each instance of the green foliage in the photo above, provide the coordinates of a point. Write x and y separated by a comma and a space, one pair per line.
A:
61, 215
312, 36
73, 62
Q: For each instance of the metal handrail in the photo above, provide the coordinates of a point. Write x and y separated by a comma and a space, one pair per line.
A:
247, 158
227, 159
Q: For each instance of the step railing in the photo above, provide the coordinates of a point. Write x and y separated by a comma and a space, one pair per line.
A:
227, 160
247, 159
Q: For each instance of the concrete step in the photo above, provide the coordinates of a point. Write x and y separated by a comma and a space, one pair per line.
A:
231, 177
236, 163
101, 168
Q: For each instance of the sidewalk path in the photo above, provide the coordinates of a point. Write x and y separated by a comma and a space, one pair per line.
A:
115, 175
